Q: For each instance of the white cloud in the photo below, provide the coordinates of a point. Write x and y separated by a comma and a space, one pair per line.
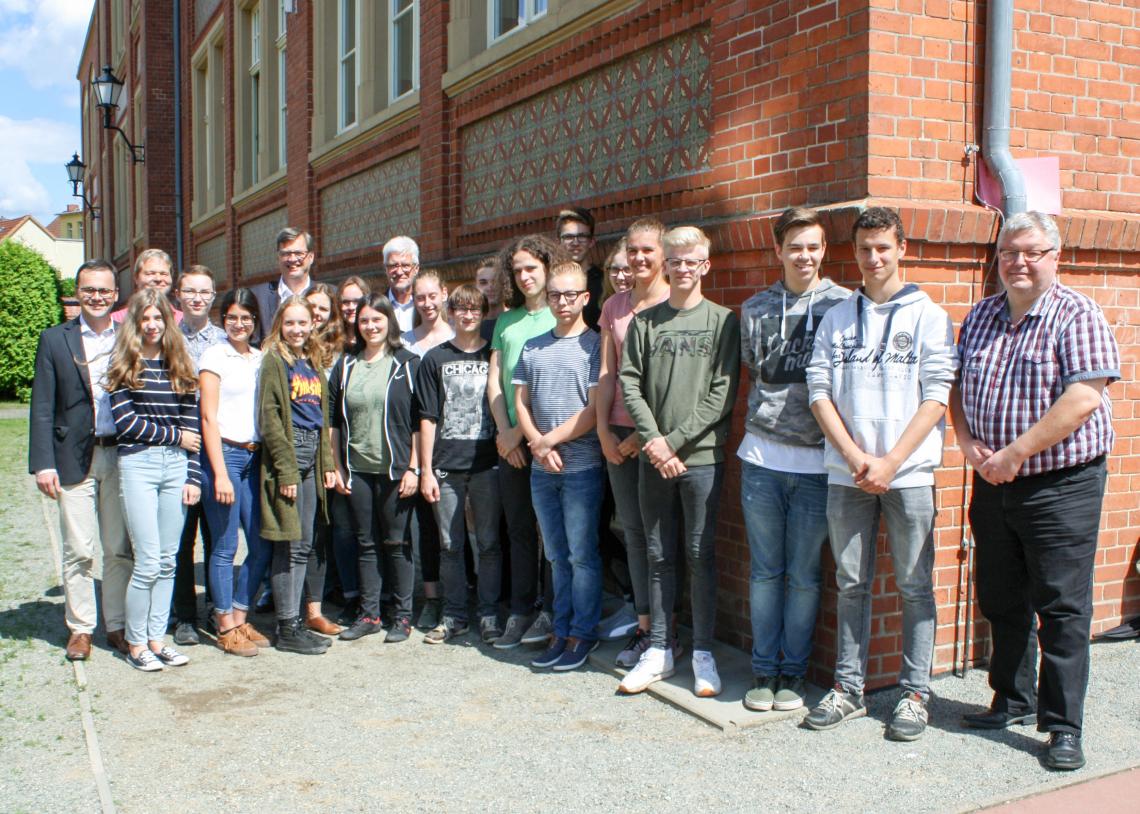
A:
43, 40
25, 143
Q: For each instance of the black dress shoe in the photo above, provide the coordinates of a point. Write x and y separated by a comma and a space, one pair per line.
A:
1064, 751
997, 719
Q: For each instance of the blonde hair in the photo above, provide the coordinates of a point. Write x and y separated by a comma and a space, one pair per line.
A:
685, 237
568, 268
313, 350
127, 362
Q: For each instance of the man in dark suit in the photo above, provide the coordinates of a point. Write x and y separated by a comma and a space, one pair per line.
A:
294, 260
72, 453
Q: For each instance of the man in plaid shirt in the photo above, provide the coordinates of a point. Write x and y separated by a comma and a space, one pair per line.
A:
1033, 419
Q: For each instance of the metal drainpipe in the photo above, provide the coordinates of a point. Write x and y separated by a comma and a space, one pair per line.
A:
997, 101
178, 214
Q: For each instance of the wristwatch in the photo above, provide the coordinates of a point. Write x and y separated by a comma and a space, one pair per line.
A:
415, 470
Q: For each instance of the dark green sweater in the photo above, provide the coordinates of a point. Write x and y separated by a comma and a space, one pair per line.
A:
679, 374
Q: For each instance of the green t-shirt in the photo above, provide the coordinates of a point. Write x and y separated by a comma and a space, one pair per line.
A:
364, 400
512, 330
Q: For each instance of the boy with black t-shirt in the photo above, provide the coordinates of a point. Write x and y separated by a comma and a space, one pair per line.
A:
458, 458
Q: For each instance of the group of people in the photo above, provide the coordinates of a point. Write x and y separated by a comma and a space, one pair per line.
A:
548, 397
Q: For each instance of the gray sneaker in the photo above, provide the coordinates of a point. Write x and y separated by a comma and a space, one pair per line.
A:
539, 630
431, 614
513, 633
835, 708
909, 719
185, 634
449, 628
489, 629
763, 693
790, 693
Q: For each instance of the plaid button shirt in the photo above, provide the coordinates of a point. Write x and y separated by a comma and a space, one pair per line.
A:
1010, 375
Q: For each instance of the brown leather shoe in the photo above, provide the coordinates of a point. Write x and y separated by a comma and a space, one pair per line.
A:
79, 647
117, 640
322, 625
236, 644
254, 635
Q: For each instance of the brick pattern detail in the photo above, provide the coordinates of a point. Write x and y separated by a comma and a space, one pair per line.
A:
214, 254
257, 244
367, 208
642, 119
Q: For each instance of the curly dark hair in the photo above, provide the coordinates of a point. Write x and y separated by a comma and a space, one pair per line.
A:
545, 250
874, 218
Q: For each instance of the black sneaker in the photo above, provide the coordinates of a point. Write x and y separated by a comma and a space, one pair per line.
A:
400, 631
835, 708
292, 637
186, 634
351, 612
909, 719
364, 626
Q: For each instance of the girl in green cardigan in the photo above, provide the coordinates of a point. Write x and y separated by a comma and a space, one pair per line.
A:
296, 464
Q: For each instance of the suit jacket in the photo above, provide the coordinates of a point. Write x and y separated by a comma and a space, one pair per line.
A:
267, 302
62, 413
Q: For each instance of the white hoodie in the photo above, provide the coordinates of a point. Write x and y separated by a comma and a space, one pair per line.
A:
877, 363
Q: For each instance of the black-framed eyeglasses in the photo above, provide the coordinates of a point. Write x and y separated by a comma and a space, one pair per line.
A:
464, 309
570, 297
578, 238
1031, 256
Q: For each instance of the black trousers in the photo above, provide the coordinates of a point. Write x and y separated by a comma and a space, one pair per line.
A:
1036, 545
185, 588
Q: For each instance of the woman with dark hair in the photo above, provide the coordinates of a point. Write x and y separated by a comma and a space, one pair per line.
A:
374, 448
154, 400
227, 378
296, 466
528, 259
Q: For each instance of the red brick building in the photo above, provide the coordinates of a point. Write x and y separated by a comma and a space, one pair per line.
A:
465, 123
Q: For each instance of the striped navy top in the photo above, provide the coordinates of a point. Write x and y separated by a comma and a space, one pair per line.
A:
155, 416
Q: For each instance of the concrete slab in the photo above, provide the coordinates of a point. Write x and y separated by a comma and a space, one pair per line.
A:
727, 710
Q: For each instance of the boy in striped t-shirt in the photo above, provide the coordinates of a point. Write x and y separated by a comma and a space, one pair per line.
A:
556, 381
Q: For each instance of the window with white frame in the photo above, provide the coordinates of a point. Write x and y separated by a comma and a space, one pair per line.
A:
254, 155
509, 15
347, 74
208, 147
281, 96
404, 48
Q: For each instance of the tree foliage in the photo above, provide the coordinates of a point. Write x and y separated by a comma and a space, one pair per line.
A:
28, 304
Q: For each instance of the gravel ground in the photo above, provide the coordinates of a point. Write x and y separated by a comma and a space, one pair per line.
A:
410, 727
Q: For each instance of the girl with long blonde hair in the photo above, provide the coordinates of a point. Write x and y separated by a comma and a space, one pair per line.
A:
154, 401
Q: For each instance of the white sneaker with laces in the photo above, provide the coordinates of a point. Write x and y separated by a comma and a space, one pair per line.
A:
171, 657
655, 664
706, 680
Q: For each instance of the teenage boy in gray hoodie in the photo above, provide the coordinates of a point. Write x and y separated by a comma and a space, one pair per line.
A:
783, 482
878, 384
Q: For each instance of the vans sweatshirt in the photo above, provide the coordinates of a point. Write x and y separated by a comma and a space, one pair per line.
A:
877, 363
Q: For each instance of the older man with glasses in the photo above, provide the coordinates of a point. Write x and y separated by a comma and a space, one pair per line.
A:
1033, 418
153, 269
72, 453
402, 264
294, 262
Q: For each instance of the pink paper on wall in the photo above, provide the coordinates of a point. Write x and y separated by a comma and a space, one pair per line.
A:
1042, 184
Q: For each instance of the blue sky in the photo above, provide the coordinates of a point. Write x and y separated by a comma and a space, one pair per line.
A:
40, 41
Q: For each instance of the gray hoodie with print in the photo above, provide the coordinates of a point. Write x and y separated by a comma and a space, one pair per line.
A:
777, 332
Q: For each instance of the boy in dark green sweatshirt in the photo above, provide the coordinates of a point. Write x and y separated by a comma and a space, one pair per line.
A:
679, 372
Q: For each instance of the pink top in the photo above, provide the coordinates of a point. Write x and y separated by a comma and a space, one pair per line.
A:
617, 313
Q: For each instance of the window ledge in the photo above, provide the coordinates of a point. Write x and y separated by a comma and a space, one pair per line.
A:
394, 114
205, 219
264, 185
570, 18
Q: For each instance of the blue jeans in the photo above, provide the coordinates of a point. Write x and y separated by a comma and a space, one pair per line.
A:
567, 507
150, 484
244, 470
853, 525
785, 516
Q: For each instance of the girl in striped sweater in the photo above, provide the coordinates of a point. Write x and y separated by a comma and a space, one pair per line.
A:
154, 400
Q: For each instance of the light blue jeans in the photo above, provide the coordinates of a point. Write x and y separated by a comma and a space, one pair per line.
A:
785, 517
568, 507
150, 484
853, 524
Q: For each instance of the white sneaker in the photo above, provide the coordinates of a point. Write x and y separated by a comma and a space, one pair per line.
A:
655, 664
706, 680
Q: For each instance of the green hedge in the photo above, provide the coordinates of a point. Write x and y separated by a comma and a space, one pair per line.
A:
28, 303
